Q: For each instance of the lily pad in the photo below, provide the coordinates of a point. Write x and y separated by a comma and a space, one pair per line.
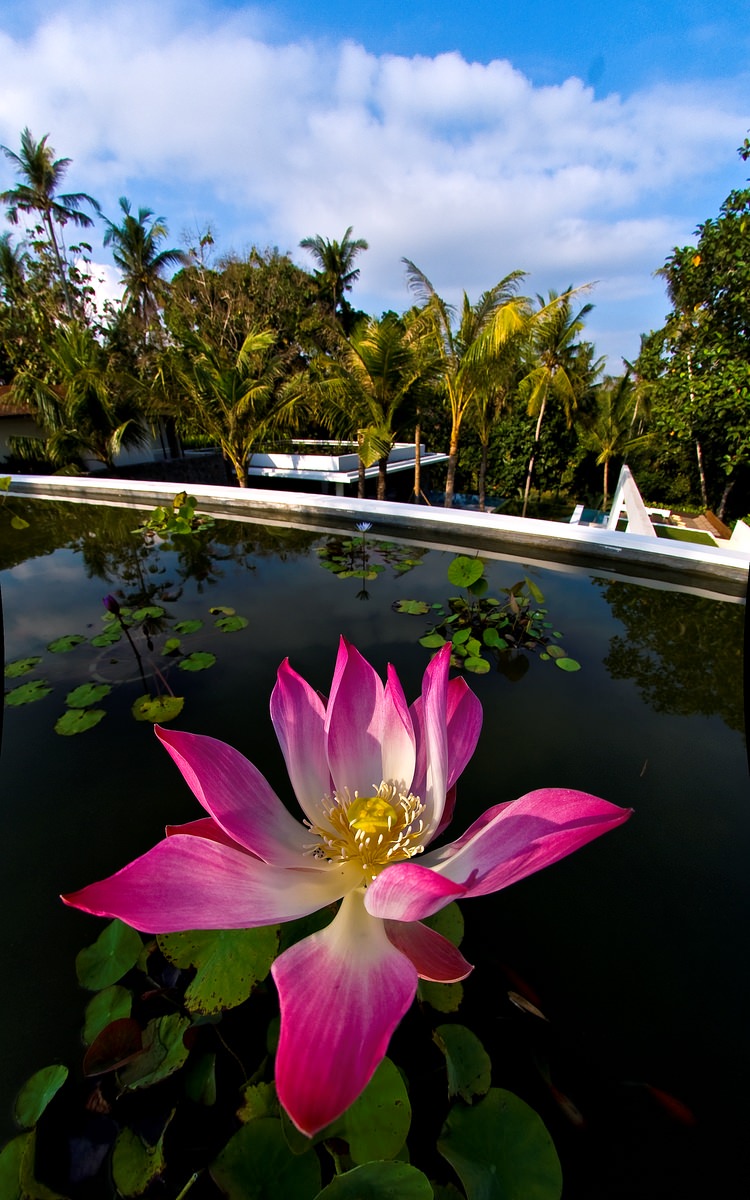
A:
148, 612
479, 666
376, 1125
108, 638
199, 660
379, 1181
27, 693
416, 608
157, 709
257, 1164
109, 1005
432, 641
500, 1150
221, 609
231, 624
468, 1063
63, 644
36, 1094
111, 956
567, 664
78, 720
464, 571
18, 522
185, 627
86, 694
21, 666
164, 1052
136, 1164
229, 962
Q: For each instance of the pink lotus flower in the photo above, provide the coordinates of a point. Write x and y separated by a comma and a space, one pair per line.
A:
376, 782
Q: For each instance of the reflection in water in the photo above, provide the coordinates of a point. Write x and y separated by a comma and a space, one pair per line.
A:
685, 653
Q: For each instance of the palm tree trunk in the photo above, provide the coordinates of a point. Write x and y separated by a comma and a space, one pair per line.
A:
606, 483
450, 478
382, 477
530, 471
701, 473
417, 463
60, 264
483, 475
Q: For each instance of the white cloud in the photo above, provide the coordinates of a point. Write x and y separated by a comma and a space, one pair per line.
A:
468, 169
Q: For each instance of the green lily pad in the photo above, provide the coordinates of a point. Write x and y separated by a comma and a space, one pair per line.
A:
148, 612
109, 1005
185, 627
500, 1150
416, 608
567, 664
21, 666
432, 641
443, 997
468, 1063
449, 922
108, 638
221, 609
464, 571
78, 720
27, 693
36, 1094
136, 1164
62, 645
376, 1125
157, 709
111, 956
164, 1052
479, 666
86, 694
231, 624
257, 1164
199, 660
379, 1181
229, 962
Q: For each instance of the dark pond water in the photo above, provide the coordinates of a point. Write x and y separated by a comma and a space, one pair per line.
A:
635, 948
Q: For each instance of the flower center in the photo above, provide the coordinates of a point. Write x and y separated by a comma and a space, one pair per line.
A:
376, 830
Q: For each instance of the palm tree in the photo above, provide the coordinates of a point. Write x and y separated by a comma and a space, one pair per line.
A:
135, 243
41, 175
337, 273
610, 432
466, 351
239, 401
86, 409
373, 387
496, 385
555, 329
12, 270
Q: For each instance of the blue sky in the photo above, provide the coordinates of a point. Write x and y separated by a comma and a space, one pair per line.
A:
572, 142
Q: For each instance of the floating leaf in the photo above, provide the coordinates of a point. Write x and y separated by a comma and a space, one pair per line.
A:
62, 645
199, 660
535, 591
467, 1061
109, 1005
86, 694
172, 645
219, 609
432, 640
379, 1181
27, 693
376, 1125
36, 1094
164, 1052
78, 720
443, 997
479, 666
150, 612
231, 624
18, 522
464, 571
158, 709
111, 956
461, 636
108, 638
115, 1045
200, 1079
259, 1100
449, 922
257, 1164
185, 627
229, 962
21, 666
135, 1164
417, 608
567, 664
500, 1150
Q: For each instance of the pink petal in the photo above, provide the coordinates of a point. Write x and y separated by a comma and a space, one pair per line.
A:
435, 718
298, 716
514, 840
407, 891
464, 718
398, 748
194, 883
432, 954
354, 723
237, 796
205, 827
342, 992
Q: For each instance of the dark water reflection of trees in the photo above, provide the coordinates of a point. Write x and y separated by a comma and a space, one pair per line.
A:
684, 652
